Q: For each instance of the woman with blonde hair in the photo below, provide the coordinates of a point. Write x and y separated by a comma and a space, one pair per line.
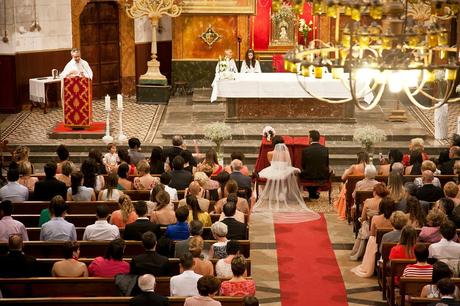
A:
428, 165
430, 232
25, 171
125, 215
415, 145
396, 186
202, 266
67, 168
145, 181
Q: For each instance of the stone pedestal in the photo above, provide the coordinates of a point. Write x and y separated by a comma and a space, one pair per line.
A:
153, 91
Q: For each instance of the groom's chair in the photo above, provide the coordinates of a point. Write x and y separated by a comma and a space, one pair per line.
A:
322, 184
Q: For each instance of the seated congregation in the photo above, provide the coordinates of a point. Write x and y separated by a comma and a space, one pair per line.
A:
406, 219
167, 230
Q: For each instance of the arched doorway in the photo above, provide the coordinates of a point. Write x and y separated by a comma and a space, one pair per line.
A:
100, 45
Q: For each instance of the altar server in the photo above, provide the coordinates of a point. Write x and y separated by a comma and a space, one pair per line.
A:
250, 64
77, 66
229, 63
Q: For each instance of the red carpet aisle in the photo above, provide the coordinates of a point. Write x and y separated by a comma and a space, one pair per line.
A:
308, 270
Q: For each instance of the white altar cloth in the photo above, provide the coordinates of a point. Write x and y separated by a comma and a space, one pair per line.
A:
284, 85
37, 88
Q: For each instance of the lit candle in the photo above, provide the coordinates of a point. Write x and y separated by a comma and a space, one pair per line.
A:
107, 103
120, 101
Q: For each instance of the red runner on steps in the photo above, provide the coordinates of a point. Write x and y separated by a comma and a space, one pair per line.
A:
308, 271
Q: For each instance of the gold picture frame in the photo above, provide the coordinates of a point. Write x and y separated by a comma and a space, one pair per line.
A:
283, 28
244, 7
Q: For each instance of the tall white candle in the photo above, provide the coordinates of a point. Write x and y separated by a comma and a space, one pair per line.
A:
107, 102
120, 101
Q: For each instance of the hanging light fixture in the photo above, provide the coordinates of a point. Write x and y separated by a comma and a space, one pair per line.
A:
404, 49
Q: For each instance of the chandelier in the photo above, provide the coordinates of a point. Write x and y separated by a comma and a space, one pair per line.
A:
403, 47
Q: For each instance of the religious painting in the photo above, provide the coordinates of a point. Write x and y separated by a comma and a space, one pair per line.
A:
283, 28
219, 6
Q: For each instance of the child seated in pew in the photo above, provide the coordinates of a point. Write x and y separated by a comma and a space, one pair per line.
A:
440, 271
447, 293
111, 158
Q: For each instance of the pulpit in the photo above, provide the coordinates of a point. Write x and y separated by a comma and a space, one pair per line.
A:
77, 104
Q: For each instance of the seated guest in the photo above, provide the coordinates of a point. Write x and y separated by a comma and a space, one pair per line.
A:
8, 225
277, 139
112, 263
95, 156
150, 262
398, 220
421, 268
382, 220
405, 247
428, 165
222, 178
50, 187
165, 180
250, 301
78, 192
144, 181
47, 213
123, 155
62, 156
238, 285
211, 160
13, 191
240, 156
195, 189
163, 214
180, 230
181, 247
250, 63
157, 161
232, 188
415, 164
440, 271
208, 287
202, 266
219, 248
101, 229
369, 181
185, 284
394, 156
148, 297
124, 215
410, 189
446, 205
238, 215
447, 289
188, 158
447, 168
429, 192
66, 170
58, 228
447, 249
15, 263
236, 229
180, 178
416, 145
396, 186
204, 179
110, 159
20, 154
134, 231
123, 182
152, 203
134, 153
415, 212
196, 213
430, 232
371, 206
111, 193
243, 181
91, 175
70, 266
25, 172
451, 191
224, 265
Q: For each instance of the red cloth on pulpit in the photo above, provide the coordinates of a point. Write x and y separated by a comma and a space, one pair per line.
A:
295, 146
77, 103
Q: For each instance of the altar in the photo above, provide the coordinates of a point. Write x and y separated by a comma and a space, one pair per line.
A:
262, 97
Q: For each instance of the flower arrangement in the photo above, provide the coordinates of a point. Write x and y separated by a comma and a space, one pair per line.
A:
268, 132
222, 65
305, 28
368, 135
217, 132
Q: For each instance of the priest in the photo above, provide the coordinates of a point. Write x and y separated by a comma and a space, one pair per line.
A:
77, 66
227, 63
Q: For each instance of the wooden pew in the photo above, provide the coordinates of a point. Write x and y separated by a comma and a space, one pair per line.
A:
397, 267
79, 220
353, 179
44, 265
411, 286
107, 301
360, 197
54, 249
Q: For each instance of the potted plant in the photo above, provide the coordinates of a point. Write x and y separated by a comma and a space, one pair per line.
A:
369, 135
217, 132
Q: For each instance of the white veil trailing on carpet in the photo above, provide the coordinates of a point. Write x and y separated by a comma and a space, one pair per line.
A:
281, 195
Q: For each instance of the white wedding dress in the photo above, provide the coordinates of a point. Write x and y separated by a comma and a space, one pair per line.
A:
281, 194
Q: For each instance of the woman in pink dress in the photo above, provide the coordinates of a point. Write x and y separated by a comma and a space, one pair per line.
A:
112, 263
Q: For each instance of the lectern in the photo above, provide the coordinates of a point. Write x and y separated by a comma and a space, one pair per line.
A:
77, 104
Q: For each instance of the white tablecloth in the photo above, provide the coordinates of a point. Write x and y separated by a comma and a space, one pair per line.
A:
37, 92
283, 85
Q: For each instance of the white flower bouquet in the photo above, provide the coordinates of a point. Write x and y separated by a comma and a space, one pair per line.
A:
268, 132
217, 132
368, 135
305, 28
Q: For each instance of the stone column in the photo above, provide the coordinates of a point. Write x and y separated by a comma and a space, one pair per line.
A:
441, 122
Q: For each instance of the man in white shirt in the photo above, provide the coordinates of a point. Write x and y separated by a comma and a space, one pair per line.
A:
13, 191
446, 250
101, 229
77, 66
165, 179
185, 284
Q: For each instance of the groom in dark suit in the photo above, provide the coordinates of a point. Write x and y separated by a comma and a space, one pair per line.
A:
315, 163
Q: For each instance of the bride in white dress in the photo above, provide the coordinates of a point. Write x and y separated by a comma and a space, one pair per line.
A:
281, 194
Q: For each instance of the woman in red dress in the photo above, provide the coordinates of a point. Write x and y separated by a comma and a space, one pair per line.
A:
238, 285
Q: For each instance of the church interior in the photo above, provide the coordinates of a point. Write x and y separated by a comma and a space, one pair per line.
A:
150, 106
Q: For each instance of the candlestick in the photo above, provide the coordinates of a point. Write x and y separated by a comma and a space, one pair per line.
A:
107, 103
121, 137
120, 101
107, 138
